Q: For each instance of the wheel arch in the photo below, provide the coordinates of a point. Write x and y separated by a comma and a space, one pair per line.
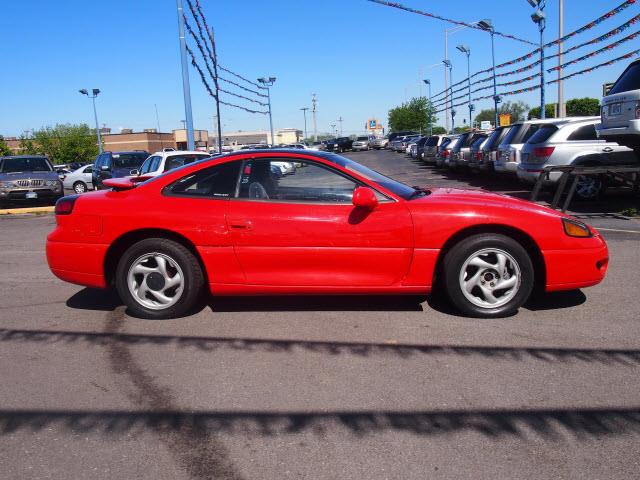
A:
523, 238
122, 243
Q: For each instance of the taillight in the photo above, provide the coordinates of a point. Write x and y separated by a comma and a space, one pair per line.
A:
478, 155
543, 152
445, 153
64, 206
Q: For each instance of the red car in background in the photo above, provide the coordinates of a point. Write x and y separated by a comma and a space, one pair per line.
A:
235, 225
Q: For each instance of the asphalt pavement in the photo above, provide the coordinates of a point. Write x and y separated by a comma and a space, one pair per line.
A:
318, 387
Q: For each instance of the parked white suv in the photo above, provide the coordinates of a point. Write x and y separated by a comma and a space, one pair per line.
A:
168, 159
620, 111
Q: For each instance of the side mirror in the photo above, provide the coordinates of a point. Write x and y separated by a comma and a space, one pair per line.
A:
134, 172
104, 168
364, 197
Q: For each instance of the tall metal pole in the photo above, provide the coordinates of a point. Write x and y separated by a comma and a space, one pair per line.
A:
95, 116
469, 86
541, 25
446, 79
430, 114
495, 91
270, 117
340, 121
562, 112
315, 123
186, 89
304, 113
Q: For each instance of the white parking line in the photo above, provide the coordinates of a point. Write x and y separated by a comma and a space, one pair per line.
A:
616, 230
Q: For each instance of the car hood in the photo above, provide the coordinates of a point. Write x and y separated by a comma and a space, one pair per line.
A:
482, 199
29, 175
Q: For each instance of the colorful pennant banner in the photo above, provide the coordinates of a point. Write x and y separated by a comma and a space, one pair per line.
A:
597, 52
595, 67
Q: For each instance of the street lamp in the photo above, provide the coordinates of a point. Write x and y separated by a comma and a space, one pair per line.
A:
428, 82
447, 63
487, 26
268, 82
93, 96
304, 113
465, 49
538, 17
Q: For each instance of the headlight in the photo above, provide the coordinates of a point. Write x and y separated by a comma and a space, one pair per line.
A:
50, 183
573, 228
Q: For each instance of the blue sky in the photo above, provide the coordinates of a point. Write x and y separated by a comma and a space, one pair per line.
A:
359, 58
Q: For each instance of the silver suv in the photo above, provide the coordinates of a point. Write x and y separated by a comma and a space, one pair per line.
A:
28, 178
620, 111
567, 141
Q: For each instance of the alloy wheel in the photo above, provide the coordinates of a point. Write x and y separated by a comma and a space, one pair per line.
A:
155, 281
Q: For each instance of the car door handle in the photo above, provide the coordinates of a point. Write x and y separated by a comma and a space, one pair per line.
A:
607, 149
240, 224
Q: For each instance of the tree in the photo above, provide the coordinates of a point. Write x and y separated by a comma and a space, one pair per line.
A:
63, 143
4, 148
579, 107
438, 130
485, 116
412, 115
549, 110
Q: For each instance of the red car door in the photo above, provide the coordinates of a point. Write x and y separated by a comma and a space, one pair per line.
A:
296, 226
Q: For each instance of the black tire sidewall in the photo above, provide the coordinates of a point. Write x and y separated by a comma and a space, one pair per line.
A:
456, 257
193, 277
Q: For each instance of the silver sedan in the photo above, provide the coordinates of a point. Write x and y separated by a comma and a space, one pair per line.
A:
79, 180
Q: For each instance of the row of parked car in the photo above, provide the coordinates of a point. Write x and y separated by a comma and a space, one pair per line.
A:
524, 149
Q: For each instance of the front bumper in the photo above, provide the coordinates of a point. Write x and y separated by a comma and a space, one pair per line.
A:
576, 268
25, 194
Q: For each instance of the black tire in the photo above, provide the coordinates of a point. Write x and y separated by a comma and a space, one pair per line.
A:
589, 188
455, 260
193, 280
80, 187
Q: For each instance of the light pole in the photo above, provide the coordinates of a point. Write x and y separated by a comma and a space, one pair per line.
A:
428, 82
333, 129
449, 65
268, 82
304, 113
562, 111
465, 49
487, 26
538, 17
186, 89
95, 93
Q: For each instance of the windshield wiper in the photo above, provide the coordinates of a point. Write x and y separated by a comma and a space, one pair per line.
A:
419, 192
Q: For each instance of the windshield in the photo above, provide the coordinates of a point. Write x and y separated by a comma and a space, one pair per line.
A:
362, 139
432, 142
400, 189
28, 164
129, 160
629, 80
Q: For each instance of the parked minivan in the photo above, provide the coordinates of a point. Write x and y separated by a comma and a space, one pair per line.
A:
430, 148
568, 141
620, 110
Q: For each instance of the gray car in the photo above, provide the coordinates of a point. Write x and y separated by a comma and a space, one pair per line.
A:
79, 180
571, 142
360, 143
29, 178
430, 149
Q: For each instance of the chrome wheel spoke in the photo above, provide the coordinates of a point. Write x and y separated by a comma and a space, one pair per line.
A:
161, 298
162, 265
488, 295
506, 283
502, 264
142, 290
480, 263
143, 269
174, 281
473, 281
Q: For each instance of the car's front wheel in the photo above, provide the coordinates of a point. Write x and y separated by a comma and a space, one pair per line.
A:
158, 278
488, 275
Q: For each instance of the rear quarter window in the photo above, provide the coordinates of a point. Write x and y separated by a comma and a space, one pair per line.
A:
586, 132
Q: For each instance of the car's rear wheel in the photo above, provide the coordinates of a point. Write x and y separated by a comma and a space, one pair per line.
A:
488, 275
589, 187
79, 187
158, 278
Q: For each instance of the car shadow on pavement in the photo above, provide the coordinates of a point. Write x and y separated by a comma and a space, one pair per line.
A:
556, 300
549, 424
94, 299
330, 303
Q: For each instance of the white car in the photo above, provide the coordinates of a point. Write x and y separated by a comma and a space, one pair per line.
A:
79, 180
166, 160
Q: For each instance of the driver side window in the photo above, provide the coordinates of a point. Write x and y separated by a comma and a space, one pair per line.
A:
287, 181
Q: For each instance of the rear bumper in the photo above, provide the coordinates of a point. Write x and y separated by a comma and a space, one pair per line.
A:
576, 268
79, 263
506, 167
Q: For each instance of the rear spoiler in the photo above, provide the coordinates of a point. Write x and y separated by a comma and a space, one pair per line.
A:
125, 183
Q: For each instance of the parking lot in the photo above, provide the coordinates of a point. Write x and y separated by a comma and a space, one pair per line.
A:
320, 387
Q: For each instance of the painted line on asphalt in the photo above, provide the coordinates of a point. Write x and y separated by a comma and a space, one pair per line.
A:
19, 211
616, 230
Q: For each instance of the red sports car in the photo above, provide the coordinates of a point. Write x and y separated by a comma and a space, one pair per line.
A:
285, 222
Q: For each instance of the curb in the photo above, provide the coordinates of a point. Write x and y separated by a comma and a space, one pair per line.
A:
20, 211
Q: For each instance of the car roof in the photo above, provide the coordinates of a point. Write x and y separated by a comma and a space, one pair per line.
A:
173, 152
23, 156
